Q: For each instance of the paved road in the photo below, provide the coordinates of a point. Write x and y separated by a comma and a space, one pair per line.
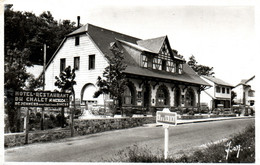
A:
102, 147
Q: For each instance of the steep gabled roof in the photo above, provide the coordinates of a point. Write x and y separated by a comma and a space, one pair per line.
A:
154, 44
82, 29
135, 46
103, 38
217, 81
245, 81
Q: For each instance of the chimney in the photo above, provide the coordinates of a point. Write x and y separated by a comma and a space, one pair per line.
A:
78, 21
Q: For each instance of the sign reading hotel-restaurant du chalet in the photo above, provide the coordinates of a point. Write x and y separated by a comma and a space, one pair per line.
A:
41, 99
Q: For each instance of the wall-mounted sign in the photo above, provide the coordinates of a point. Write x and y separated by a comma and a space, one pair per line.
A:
41, 99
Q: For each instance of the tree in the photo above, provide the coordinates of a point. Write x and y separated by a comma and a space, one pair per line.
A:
65, 82
233, 96
200, 69
15, 78
24, 36
26, 30
114, 82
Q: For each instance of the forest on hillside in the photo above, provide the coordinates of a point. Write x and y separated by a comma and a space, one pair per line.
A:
25, 30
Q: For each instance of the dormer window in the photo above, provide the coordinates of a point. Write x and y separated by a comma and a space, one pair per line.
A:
170, 66
179, 68
157, 63
164, 65
144, 61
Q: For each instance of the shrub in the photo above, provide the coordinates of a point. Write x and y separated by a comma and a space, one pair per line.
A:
191, 112
78, 112
48, 124
246, 112
59, 119
38, 115
216, 111
46, 115
52, 117
252, 111
128, 111
138, 154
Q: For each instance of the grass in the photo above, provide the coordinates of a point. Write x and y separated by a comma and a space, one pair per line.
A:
213, 153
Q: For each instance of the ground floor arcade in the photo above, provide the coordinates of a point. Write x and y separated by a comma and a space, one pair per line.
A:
148, 94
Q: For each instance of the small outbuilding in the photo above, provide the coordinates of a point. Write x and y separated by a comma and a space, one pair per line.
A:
219, 95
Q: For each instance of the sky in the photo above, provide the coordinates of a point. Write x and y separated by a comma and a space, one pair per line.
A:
220, 34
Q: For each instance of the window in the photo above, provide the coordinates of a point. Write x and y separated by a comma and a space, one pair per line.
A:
190, 97
227, 90
162, 96
76, 40
218, 89
91, 62
179, 68
62, 64
150, 62
164, 65
157, 63
127, 99
144, 63
223, 90
251, 93
170, 66
76, 63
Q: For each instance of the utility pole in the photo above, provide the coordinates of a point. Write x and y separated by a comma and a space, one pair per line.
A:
43, 79
44, 65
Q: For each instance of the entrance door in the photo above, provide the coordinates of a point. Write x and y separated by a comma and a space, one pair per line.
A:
177, 97
147, 97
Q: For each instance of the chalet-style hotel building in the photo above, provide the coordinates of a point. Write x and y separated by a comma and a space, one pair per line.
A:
157, 75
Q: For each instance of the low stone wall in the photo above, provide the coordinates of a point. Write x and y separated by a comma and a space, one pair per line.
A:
194, 117
223, 115
187, 117
82, 127
18, 139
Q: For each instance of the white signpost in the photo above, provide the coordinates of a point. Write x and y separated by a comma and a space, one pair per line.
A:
166, 118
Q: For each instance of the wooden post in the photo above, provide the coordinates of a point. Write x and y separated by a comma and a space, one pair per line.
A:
44, 65
62, 118
72, 115
27, 127
18, 120
166, 141
42, 119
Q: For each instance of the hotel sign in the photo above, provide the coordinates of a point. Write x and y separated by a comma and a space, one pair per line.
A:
41, 99
166, 117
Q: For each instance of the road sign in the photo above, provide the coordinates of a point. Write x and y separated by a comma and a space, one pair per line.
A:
166, 117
